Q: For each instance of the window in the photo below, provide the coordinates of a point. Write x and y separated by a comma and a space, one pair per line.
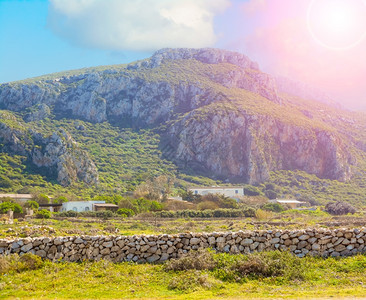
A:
196, 192
74, 209
86, 208
236, 192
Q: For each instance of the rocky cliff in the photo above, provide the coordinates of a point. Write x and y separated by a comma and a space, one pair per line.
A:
217, 113
58, 153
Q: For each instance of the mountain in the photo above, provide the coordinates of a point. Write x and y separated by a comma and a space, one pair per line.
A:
192, 113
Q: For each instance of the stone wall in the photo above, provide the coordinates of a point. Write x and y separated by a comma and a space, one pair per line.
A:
151, 248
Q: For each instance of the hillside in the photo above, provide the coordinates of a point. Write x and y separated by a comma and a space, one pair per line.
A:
202, 115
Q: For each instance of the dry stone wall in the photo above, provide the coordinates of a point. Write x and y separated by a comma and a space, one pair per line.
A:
152, 248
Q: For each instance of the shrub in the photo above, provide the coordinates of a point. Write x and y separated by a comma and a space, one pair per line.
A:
201, 259
68, 214
271, 264
250, 190
32, 204
263, 214
207, 205
5, 182
126, 211
274, 207
42, 199
18, 263
208, 213
104, 214
155, 206
339, 208
270, 194
43, 214
60, 200
6, 206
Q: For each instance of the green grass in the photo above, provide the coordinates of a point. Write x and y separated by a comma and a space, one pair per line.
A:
227, 277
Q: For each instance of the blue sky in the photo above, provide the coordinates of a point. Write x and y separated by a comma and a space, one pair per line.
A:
29, 46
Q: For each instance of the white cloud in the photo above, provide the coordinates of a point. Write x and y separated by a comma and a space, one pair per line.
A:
136, 24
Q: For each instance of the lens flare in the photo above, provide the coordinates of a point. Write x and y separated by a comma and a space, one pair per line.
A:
337, 24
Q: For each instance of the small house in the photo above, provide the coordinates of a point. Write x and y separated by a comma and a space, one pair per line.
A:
80, 206
228, 191
292, 203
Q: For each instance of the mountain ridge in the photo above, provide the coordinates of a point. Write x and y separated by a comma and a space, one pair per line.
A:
216, 113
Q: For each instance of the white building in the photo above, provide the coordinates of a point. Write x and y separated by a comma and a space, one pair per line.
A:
80, 205
293, 203
228, 191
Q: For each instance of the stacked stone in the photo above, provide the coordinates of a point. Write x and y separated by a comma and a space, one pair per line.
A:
152, 248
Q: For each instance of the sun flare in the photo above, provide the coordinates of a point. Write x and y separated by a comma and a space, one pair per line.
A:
337, 24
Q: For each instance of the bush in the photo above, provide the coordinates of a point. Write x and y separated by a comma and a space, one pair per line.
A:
207, 205
270, 194
208, 213
274, 207
201, 259
126, 211
18, 263
250, 190
5, 182
60, 200
68, 214
339, 208
6, 206
32, 204
104, 214
43, 214
271, 264
42, 199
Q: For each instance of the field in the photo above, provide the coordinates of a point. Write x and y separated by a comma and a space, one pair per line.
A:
149, 224
268, 275
201, 275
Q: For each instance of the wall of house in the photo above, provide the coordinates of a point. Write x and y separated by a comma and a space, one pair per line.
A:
79, 205
231, 192
151, 248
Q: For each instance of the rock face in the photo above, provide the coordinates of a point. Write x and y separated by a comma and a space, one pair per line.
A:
38, 113
172, 89
59, 153
150, 248
237, 145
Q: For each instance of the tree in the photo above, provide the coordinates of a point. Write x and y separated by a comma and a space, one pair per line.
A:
31, 204
6, 206
43, 199
126, 211
60, 200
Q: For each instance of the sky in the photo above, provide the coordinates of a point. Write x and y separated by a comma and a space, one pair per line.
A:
319, 42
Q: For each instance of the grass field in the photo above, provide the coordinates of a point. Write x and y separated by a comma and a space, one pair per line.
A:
201, 275
265, 275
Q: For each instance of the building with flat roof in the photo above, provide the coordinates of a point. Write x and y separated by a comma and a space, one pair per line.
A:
228, 191
80, 206
293, 203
